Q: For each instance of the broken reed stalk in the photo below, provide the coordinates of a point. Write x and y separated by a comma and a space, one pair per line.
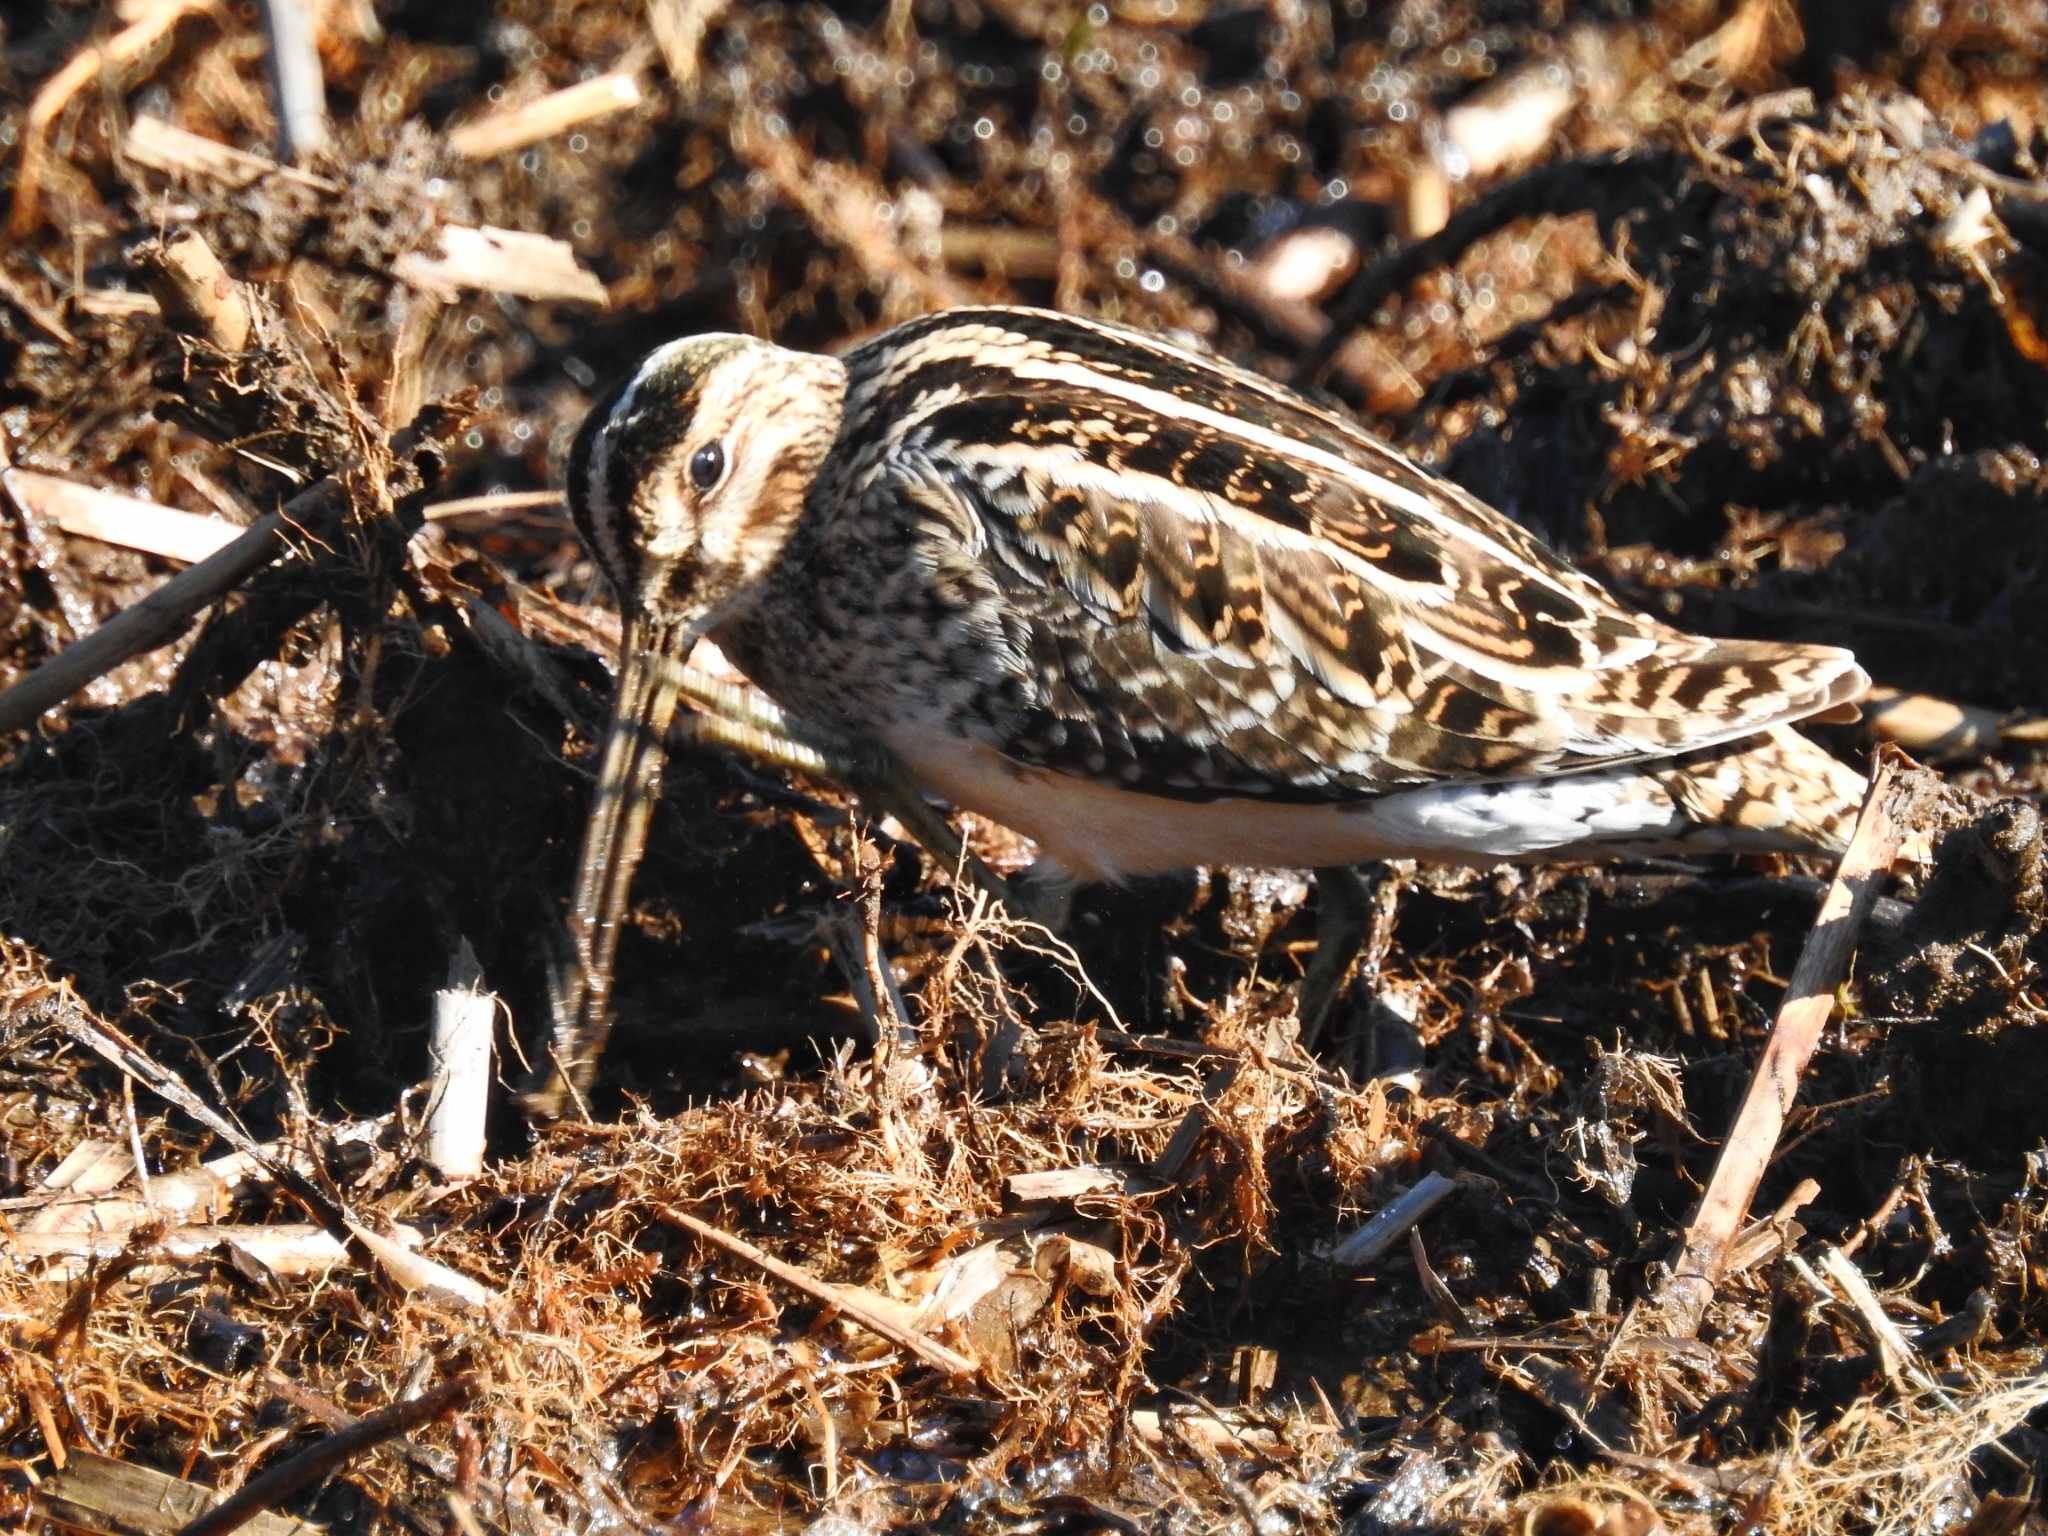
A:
112, 518
195, 293
1398, 1218
297, 87
164, 614
459, 1052
91, 1492
1702, 1254
483, 257
514, 128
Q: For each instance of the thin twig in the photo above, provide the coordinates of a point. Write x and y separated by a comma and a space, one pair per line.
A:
317, 1460
493, 502
1702, 1255
1366, 1246
115, 1048
164, 614
932, 1353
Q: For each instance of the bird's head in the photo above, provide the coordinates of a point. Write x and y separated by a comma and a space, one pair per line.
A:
686, 480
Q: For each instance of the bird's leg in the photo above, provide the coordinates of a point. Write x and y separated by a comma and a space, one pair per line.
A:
1344, 903
886, 789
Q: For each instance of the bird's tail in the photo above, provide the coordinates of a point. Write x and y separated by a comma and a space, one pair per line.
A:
1777, 792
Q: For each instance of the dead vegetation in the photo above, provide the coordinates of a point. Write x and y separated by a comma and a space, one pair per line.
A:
894, 1213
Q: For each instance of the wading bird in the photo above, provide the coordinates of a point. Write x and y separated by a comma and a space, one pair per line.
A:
1151, 611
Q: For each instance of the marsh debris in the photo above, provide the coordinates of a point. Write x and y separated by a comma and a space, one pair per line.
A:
1751, 327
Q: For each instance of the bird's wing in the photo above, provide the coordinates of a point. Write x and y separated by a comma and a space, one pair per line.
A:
1212, 586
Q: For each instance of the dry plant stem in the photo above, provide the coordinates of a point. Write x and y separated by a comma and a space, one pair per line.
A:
679, 27
459, 1048
500, 501
1766, 1239
129, 521
85, 66
316, 1461
194, 291
429, 1462
514, 128
931, 1352
296, 85
416, 1274
99, 1493
487, 258
1933, 730
115, 1048
501, 261
161, 617
1702, 1255
1371, 1242
135, 1146
84, 1195
286, 1249
45, 1417
160, 146
1900, 1359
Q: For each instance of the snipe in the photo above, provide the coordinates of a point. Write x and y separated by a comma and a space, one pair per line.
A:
1152, 611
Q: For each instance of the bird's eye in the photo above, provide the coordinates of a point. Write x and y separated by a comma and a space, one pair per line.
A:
706, 465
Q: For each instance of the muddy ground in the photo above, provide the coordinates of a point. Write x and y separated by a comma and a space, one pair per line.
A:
1744, 307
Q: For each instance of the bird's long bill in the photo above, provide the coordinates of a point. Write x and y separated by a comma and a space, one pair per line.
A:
628, 783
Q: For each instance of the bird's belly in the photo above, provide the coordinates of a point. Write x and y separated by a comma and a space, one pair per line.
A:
1099, 832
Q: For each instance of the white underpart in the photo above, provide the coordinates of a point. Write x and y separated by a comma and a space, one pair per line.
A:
1097, 832
1529, 816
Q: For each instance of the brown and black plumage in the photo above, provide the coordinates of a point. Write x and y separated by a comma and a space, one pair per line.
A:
1153, 611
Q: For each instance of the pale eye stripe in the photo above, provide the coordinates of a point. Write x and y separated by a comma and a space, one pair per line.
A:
605, 513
